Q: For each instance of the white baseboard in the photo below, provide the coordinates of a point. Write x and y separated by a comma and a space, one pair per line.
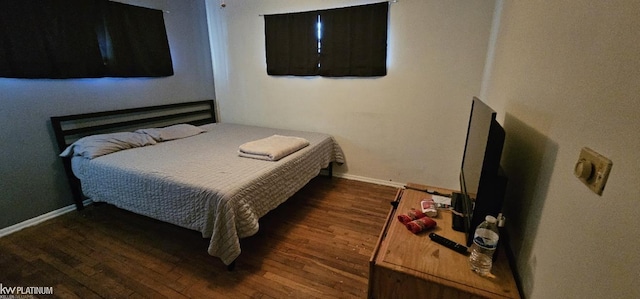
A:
53, 214
368, 180
44, 217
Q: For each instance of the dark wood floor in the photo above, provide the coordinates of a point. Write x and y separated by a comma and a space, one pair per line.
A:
315, 245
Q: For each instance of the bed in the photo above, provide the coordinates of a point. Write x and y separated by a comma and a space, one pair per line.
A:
198, 181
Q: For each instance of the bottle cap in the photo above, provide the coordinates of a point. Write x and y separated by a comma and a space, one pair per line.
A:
490, 219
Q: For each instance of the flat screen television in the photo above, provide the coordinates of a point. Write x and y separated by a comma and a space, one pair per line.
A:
482, 181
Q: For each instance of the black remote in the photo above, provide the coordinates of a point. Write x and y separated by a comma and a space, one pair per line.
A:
448, 243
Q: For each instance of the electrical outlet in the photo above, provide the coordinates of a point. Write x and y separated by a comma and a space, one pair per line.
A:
593, 169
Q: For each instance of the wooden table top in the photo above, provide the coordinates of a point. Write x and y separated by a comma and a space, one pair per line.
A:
417, 255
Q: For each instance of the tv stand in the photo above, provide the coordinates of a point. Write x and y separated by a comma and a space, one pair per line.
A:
406, 265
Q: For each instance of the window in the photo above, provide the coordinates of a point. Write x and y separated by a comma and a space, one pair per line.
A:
81, 39
338, 42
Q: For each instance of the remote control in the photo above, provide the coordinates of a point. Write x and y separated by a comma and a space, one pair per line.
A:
448, 243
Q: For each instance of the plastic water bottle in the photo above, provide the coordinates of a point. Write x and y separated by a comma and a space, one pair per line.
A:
485, 242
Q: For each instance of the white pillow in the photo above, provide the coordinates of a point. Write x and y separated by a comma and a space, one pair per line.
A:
102, 144
172, 132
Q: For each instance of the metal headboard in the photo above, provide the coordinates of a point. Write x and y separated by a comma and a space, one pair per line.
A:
69, 128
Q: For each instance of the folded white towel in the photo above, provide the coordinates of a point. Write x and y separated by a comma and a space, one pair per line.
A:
272, 148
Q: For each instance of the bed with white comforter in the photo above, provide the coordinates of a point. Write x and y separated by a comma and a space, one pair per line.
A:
202, 183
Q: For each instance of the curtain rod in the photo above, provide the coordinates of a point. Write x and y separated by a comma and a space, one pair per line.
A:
390, 2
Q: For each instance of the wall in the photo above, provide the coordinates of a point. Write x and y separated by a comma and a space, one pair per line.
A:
32, 180
566, 75
406, 126
562, 75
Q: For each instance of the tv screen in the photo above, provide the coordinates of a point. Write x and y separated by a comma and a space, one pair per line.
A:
482, 183
475, 146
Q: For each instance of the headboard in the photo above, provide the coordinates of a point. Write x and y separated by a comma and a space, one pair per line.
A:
69, 128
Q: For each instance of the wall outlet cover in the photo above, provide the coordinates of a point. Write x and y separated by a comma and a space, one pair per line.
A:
593, 169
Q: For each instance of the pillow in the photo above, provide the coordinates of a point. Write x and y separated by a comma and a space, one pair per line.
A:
172, 132
102, 144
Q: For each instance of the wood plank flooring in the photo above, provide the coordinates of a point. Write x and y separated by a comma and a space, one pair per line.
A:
315, 245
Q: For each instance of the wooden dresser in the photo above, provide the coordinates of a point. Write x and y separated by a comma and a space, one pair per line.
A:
406, 265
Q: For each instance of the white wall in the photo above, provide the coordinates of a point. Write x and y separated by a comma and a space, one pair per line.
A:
406, 126
566, 76
32, 180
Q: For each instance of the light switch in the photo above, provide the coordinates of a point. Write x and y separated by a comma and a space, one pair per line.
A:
593, 169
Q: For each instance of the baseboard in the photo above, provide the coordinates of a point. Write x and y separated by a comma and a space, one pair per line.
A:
44, 217
53, 214
368, 180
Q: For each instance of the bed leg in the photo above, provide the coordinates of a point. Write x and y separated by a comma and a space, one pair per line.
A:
327, 171
74, 183
78, 198
231, 266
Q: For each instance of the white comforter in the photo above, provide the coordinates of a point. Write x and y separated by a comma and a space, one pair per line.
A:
201, 183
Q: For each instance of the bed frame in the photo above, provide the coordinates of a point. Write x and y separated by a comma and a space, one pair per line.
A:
70, 128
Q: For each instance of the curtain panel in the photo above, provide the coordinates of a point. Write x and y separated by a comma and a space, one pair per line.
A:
135, 43
59, 39
49, 39
354, 41
292, 44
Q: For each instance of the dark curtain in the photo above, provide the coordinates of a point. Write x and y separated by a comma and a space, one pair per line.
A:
81, 39
291, 44
49, 39
136, 43
354, 41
